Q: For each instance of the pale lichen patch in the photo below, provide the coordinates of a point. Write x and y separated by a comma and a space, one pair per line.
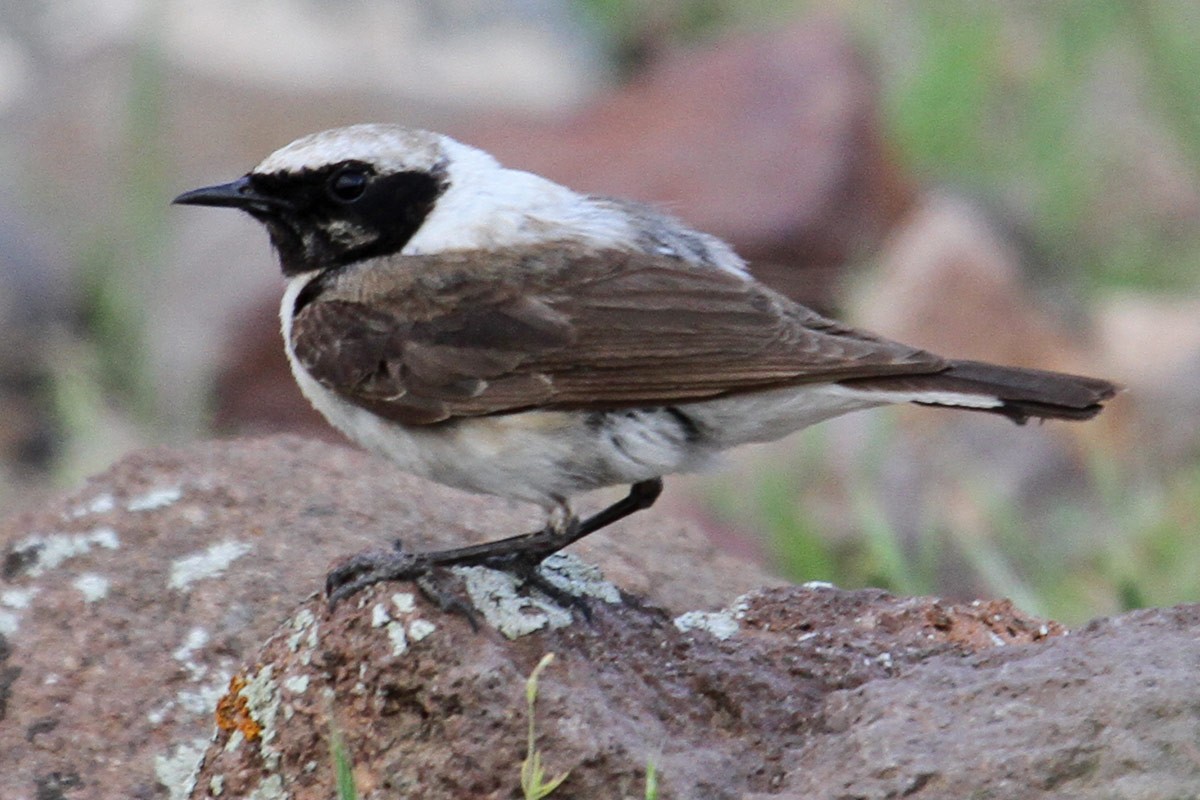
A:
235, 741
380, 616
207, 564
395, 633
720, 624
196, 638
262, 702
93, 587
418, 629
404, 602
271, 788
296, 684
575, 576
495, 594
305, 633
177, 771
50, 550
154, 499
200, 702
300, 624
100, 504
18, 598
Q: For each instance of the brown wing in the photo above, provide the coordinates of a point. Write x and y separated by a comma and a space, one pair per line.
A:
422, 339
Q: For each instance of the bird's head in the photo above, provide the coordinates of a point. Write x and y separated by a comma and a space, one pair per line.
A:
340, 196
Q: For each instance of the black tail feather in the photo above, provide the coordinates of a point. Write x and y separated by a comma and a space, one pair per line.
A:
1023, 393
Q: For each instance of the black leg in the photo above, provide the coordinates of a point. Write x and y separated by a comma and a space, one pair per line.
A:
518, 554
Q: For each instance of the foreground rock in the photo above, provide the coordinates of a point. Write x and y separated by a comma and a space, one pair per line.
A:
791, 693
126, 608
170, 594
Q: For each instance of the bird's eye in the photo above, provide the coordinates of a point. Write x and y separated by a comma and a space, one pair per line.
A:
348, 184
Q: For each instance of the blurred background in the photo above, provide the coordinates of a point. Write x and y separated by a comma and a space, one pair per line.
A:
1017, 182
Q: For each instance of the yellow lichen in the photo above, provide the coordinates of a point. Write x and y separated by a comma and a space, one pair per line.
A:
233, 712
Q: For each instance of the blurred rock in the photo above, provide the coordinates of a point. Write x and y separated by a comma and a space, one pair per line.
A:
126, 607
769, 140
36, 308
253, 392
950, 281
1153, 343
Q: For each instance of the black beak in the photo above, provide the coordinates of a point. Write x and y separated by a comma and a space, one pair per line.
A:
238, 194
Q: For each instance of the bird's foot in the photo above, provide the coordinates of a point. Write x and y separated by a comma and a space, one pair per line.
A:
372, 567
426, 570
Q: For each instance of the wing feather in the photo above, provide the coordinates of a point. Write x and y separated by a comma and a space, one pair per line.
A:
422, 339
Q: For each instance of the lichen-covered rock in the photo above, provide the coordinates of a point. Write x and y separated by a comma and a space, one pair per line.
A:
798, 692
157, 643
127, 608
720, 702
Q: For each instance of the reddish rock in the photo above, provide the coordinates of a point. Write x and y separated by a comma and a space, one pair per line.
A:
720, 702
126, 608
141, 631
770, 140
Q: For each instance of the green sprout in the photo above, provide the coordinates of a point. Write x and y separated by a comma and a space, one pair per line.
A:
533, 774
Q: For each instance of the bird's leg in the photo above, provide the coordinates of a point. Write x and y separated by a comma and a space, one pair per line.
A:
517, 554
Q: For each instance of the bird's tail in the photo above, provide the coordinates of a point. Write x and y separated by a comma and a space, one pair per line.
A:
1014, 392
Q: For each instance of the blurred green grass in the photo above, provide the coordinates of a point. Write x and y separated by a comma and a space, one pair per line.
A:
1126, 541
1011, 100
1012, 97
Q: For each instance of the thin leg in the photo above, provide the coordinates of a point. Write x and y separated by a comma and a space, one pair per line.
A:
519, 554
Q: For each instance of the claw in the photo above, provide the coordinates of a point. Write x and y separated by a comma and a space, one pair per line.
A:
448, 602
366, 569
530, 573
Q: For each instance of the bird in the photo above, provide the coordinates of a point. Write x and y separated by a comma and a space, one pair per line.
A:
494, 331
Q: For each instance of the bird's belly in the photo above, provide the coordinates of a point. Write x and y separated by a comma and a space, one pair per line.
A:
541, 457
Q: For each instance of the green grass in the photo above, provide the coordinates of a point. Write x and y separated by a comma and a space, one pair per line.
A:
343, 768
534, 783
1008, 100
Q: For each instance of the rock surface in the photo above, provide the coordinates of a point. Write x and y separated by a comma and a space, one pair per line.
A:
170, 593
126, 608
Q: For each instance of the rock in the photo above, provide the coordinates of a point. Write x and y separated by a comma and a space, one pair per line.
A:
147, 607
126, 608
1101, 713
722, 703
951, 281
770, 140
791, 693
